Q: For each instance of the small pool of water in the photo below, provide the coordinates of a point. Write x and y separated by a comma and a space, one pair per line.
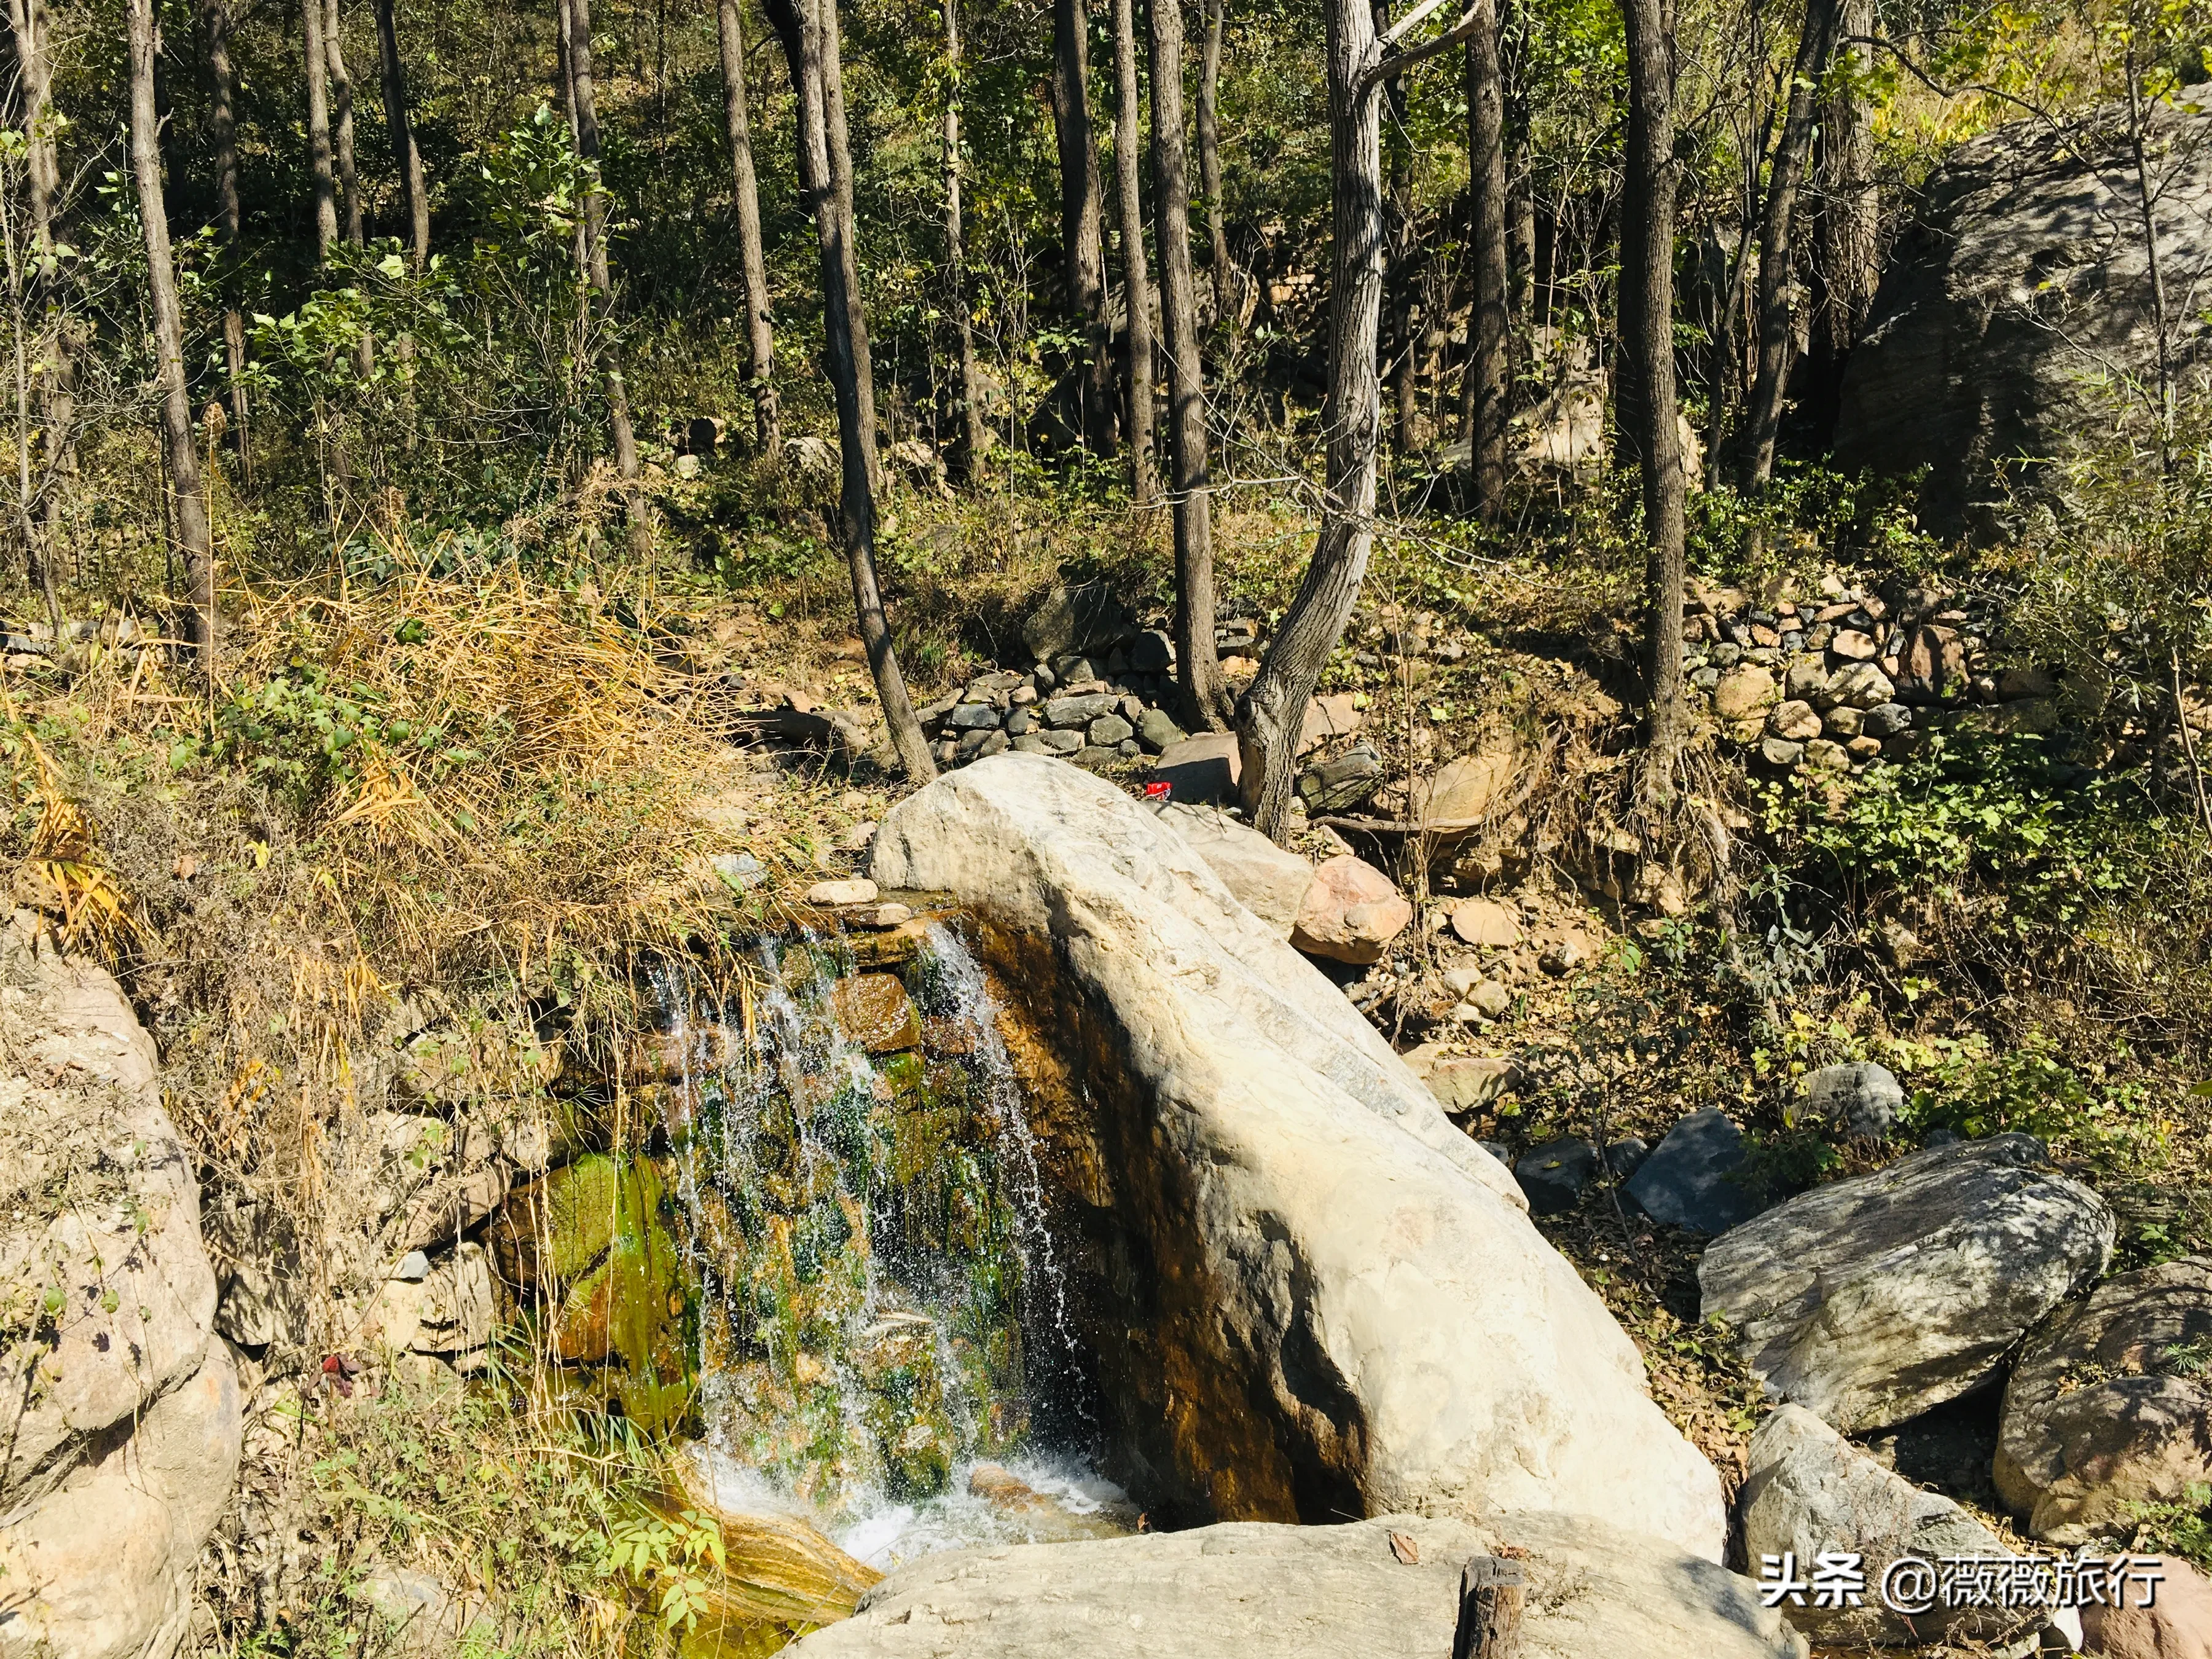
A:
1029, 1500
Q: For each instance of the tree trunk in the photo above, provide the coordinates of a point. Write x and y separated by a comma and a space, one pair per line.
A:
319, 130
1139, 373
342, 119
1777, 248
1081, 229
1649, 417
41, 503
807, 30
1851, 223
760, 318
841, 177
223, 135
972, 440
564, 71
1404, 254
1489, 368
595, 250
1274, 711
194, 540
1197, 666
414, 191
1225, 274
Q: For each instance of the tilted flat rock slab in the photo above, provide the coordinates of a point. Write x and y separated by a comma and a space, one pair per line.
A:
1870, 1300
1333, 1301
1256, 1591
2111, 1405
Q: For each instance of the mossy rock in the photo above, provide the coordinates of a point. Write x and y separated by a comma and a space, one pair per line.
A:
552, 1230
874, 1013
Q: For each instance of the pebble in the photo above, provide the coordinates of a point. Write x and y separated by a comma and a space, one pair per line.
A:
832, 894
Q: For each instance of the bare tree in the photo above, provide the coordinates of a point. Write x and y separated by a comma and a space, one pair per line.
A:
1209, 165
1081, 231
319, 130
595, 250
194, 538
1489, 368
807, 29
342, 119
38, 288
752, 262
972, 439
1273, 712
1778, 246
1198, 665
1138, 369
840, 180
1649, 417
1849, 261
222, 140
414, 192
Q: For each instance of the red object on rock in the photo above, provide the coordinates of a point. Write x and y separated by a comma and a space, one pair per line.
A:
1158, 789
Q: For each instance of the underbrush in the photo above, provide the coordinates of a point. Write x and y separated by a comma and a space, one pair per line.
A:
486, 1521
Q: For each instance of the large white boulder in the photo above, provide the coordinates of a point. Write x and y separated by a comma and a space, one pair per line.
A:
1254, 1591
1313, 1296
121, 1439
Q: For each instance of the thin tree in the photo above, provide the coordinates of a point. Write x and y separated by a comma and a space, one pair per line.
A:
414, 191
840, 179
1224, 273
972, 440
1848, 264
1778, 252
1489, 367
41, 289
1273, 712
194, 540
1198, 665
320, 170
752, 262
1647, 414
602, 286
1081, 231
808, 32
222, 141
1137, 372
342, 119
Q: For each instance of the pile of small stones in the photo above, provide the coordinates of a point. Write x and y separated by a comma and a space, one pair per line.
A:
1832, 684
1096, 710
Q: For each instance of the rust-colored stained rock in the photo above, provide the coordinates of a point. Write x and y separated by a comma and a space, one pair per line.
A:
1350, 913
2177, 1625
875, 1012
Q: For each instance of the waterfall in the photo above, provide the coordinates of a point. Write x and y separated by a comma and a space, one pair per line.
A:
885, 1338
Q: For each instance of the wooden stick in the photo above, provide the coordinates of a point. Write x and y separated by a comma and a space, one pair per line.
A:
1491, 1594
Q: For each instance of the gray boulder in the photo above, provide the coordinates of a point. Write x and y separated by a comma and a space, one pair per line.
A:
1556, 1175
2023, 290
1067, 712
1327, 1592
1206, 767
1689, 1179
1809, 1490
2111, 1405
1861, 1099
1344, 1305
1090, 617
1871, 1300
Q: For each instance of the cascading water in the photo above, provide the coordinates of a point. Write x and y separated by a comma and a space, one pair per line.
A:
884, 1334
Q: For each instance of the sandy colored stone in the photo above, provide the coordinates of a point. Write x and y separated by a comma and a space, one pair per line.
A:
1743, 692
1350, 913
874, 1013
1486, 923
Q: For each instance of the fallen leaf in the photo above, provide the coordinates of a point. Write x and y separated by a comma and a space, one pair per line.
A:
1405, 1549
